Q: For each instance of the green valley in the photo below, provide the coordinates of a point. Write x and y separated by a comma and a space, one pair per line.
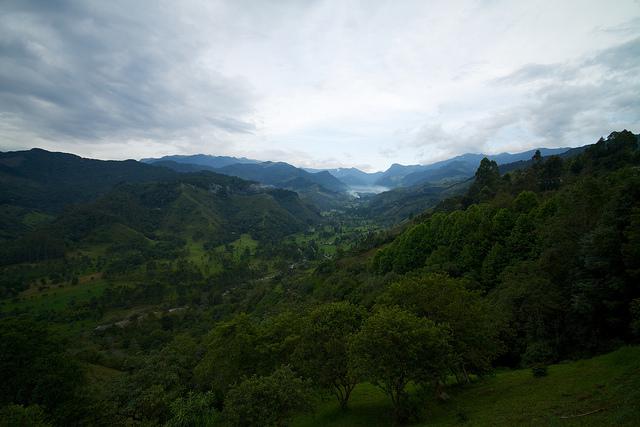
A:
201, 299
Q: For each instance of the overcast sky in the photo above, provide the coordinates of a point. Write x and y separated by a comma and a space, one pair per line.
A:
316, 83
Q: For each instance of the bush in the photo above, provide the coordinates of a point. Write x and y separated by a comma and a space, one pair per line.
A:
21, 416
537, 354
267, 401
635, 317
194, 410
539, 371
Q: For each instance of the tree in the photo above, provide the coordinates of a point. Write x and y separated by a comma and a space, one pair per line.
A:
146, 393
35, 370
267, 401
323, 350
230, 354
445, 300
21, 416
278, 338
537, 157
487, 180
631, 249
194, 410
394, 348
635, 317
533, 306
551, 172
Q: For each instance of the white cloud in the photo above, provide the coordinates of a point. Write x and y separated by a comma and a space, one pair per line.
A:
329, 83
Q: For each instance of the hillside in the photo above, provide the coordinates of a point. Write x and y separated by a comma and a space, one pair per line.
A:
399, 204
278, 174
354, 176
594, 392
47, 181
208, 208
283, 175
206, 298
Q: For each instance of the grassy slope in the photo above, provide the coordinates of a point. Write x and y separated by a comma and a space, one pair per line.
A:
609, 383
328, 245
56, 298
199, 256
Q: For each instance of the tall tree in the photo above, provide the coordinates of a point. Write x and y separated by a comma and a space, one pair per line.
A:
472, 320
323, 351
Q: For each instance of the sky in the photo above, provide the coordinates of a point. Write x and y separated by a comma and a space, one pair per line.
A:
316, 83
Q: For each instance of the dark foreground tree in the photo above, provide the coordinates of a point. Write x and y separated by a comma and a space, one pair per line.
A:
472, 320
230, 354
394, 348
323, 350
35, 370
20, 416
267, 401
194, 410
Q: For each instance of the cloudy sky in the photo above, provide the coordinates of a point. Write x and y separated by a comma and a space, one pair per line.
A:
316, 83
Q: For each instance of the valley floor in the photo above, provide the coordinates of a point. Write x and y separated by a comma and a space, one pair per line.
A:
606, 388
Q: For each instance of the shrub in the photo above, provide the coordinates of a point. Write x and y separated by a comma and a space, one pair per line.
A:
267, 401
539, 370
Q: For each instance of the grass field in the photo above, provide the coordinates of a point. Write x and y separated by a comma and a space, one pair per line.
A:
199, 256
327, 240
608, 386
56, 298
245, 242
196, 252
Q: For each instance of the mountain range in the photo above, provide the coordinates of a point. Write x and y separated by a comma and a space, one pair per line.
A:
83, 196
456, 168
278, 174
339, 180
36, 185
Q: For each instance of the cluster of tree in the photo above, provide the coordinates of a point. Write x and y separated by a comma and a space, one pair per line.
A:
555, 245
248, 370
421, 330
38, 377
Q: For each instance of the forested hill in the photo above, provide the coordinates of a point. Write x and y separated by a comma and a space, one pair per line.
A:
209, 208
279, 174
48, 181
282, 174
556, 245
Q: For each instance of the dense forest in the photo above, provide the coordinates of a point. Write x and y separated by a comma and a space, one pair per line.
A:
199, 299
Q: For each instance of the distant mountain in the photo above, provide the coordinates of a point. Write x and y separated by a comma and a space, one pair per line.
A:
278, 174
392, 177
445, 171
452, 169
183, 167
212, 162
352, 176
283, 175
427, 185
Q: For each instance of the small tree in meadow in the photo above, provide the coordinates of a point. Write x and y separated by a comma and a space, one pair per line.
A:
267, 401
323, 351
394, 348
